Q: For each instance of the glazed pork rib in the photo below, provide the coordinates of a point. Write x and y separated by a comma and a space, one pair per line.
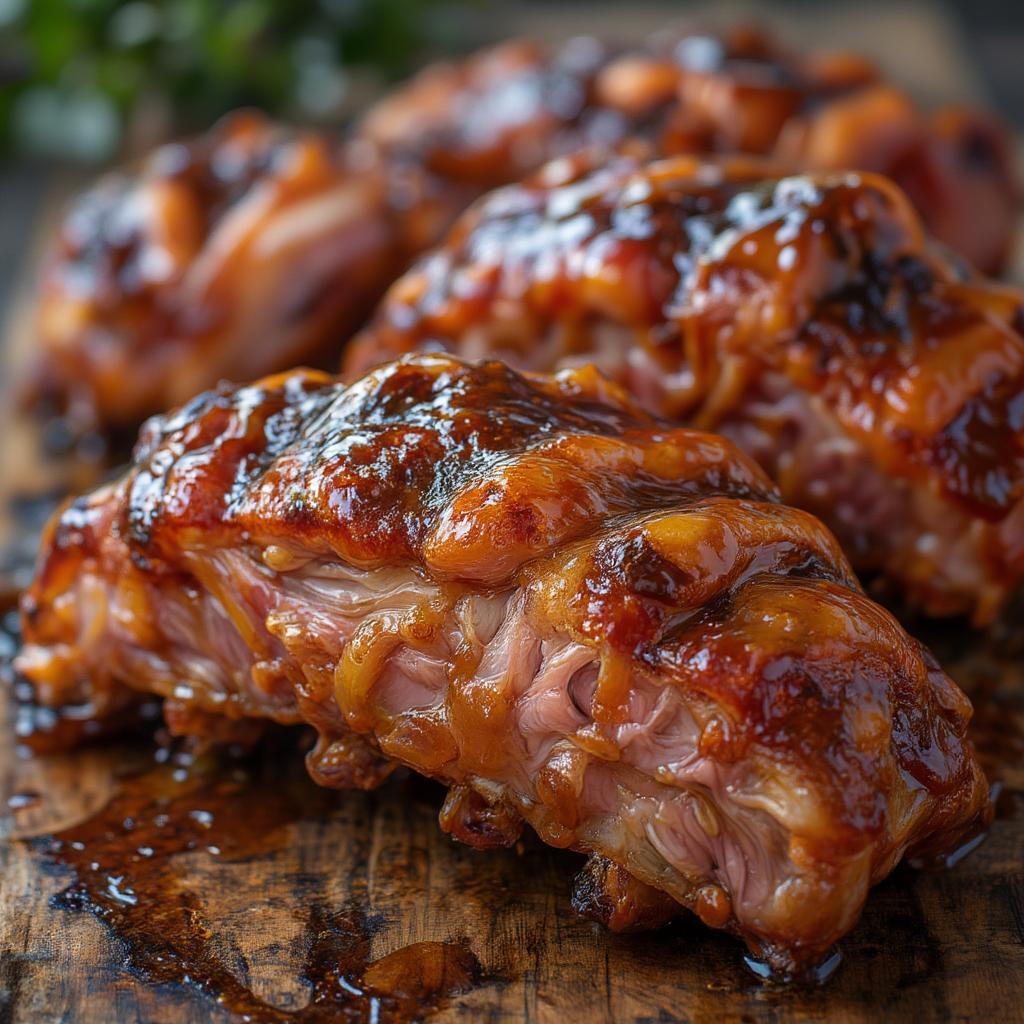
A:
242, 252
571, 614
252, 249
502, 113
809, 318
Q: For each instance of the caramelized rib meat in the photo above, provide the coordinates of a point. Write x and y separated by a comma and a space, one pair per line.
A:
573, 615
245, 251
499, 115
252, 249
809, 318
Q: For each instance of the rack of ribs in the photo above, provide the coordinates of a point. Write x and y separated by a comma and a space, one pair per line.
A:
879, 381
252, 248
571, 614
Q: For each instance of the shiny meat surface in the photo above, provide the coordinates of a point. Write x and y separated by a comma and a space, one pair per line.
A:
499, 115
253, 248
244, 251
573, 615
809, 318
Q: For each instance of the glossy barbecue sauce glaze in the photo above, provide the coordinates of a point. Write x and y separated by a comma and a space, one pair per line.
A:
128, 242
218, 258
807, 318
827, 279
501, 114
145, 298
407, 467
613, 523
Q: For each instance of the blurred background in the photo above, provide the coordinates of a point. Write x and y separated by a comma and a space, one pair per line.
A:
87, 82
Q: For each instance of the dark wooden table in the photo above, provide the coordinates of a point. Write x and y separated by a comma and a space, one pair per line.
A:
234, 889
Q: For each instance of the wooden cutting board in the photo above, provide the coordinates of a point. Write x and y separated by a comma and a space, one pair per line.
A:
136, 886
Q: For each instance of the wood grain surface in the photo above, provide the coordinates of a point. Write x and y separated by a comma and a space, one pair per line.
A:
136, 885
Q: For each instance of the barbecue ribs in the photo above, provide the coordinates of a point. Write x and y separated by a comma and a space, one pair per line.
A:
243, 252
252, 248
571, 614
877, 380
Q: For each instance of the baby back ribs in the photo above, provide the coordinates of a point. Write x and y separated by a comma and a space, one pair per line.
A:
879, 382
252, 249
569, 613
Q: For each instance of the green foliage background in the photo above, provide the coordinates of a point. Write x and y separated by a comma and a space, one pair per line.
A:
74, 73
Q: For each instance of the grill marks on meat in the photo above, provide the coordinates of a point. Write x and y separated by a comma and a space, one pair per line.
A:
808, 318
574, 615
252, 248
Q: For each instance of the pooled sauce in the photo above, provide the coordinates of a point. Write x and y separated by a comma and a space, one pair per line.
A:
127, 866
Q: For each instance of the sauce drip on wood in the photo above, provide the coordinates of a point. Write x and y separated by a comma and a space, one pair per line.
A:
126, 862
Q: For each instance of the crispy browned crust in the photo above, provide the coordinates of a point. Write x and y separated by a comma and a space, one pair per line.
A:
746, 304
657, 553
